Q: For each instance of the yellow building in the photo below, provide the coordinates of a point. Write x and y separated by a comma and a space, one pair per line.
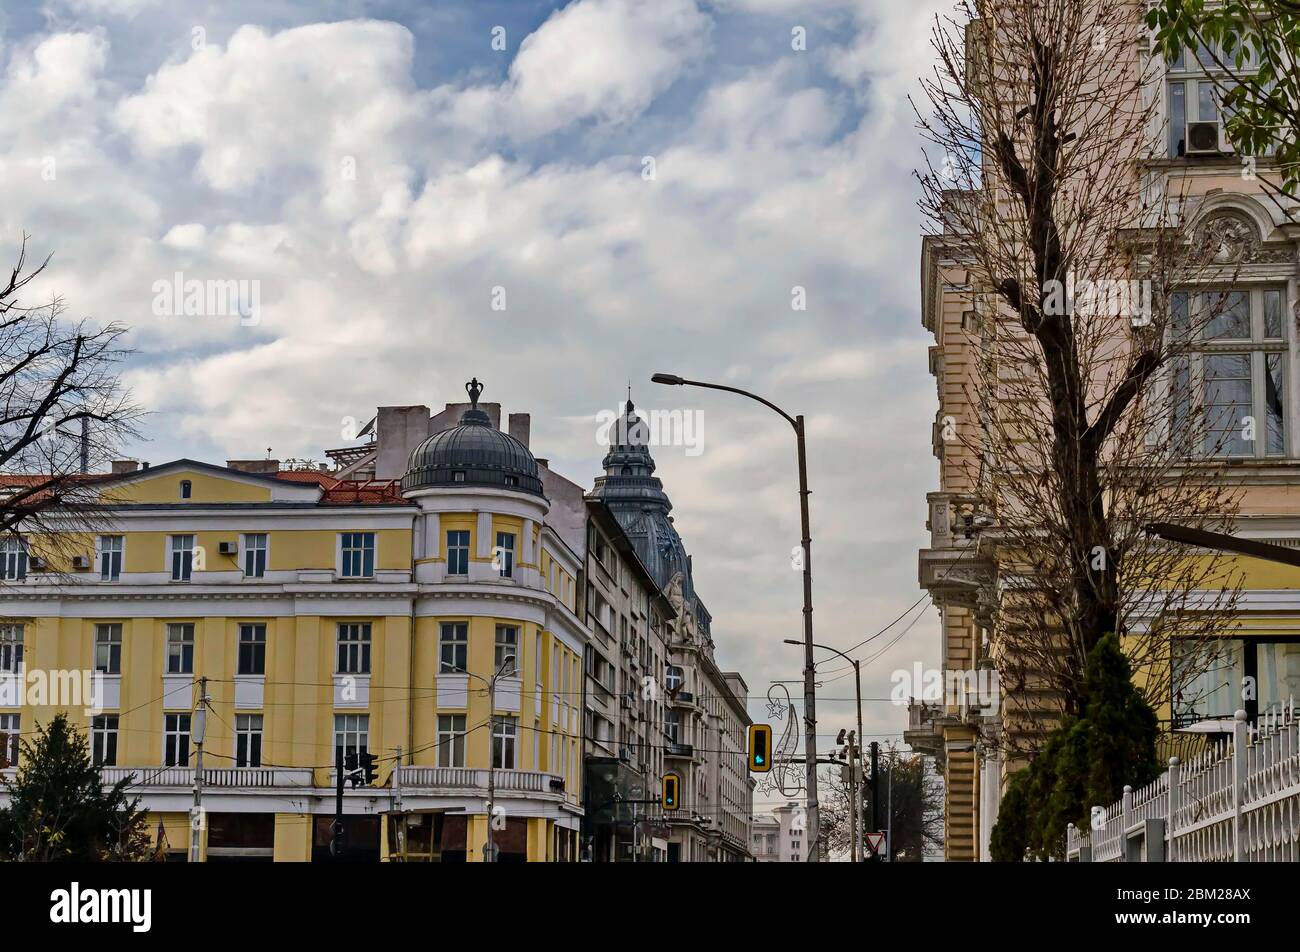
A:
322, 618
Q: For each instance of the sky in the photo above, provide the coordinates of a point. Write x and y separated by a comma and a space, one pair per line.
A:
557, 198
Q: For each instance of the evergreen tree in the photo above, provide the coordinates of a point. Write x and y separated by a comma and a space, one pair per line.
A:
1086, 761
58, 807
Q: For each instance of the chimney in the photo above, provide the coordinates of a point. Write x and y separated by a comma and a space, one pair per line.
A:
399, 431
121, 466
544, 462
262, 466
520, 424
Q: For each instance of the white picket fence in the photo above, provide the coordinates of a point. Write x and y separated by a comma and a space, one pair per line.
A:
1237, 802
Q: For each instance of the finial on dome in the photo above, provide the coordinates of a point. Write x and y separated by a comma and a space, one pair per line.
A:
473, 388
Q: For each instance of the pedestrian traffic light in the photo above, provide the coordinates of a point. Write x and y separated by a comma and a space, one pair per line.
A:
369, 767
669, 796
760, 748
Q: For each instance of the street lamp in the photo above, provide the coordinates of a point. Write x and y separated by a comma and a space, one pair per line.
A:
809, 691
504, 670
859, 848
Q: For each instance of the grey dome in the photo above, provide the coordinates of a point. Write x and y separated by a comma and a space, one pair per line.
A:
473, 453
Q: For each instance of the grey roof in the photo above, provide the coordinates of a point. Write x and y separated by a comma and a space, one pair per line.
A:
474, 453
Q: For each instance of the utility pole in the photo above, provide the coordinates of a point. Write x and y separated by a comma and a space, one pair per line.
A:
889, 817
198, 732
875, 800
855, 800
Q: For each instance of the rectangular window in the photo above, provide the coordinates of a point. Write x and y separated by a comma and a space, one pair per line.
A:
505, 730
351, 733
182, 557
1232, 360
13, 559
451, 740
248, 740
358, 554
458, 552
110, 558
180, 649
9, 735
254, 555
108, 649
11, 649
504, 556
507, 647
176, 740
103, 740
252, 649
354, 648
453, 646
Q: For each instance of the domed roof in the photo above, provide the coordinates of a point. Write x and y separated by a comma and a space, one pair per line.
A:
473, 453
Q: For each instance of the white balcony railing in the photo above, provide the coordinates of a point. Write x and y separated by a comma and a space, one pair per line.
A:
224, 777
465, 778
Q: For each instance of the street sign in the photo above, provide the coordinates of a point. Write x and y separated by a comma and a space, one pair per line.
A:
875, 842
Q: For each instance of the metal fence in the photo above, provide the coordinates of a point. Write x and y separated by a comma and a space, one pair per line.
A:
1238, 801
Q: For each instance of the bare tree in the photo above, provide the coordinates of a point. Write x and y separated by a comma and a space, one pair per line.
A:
915, 804
63, 415
1086, 291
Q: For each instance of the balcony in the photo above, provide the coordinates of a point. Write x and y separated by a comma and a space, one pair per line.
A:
953, 569
680, 751
234, 778
463, 780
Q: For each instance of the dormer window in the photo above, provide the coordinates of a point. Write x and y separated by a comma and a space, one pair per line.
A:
458, 476
186, 489
512, 480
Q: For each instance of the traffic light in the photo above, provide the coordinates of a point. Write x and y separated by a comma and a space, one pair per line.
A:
669, 795
760, 748
369, 767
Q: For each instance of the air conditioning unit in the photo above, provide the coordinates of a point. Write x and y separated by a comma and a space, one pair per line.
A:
1204, 138
228, 548
81, 561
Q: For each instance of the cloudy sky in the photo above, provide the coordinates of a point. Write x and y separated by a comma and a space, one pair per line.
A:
644, 185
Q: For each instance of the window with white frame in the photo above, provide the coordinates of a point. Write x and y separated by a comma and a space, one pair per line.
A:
254, 554
453, 646
103, 739
672, 726
507, 647
11, 649
458, 552
252, 648
10, 733
352, 733
1191, 94
354, 647
110, 557
176, 740
108, 648
1230, 360
504, 556
358, 554
505, 733
180, 648
182, 557
248, 740
451, 740
13, 559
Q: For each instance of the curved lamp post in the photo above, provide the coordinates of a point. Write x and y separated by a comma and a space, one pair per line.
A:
809, 692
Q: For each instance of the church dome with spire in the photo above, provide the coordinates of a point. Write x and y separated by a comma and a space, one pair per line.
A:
637, 498
472, 453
